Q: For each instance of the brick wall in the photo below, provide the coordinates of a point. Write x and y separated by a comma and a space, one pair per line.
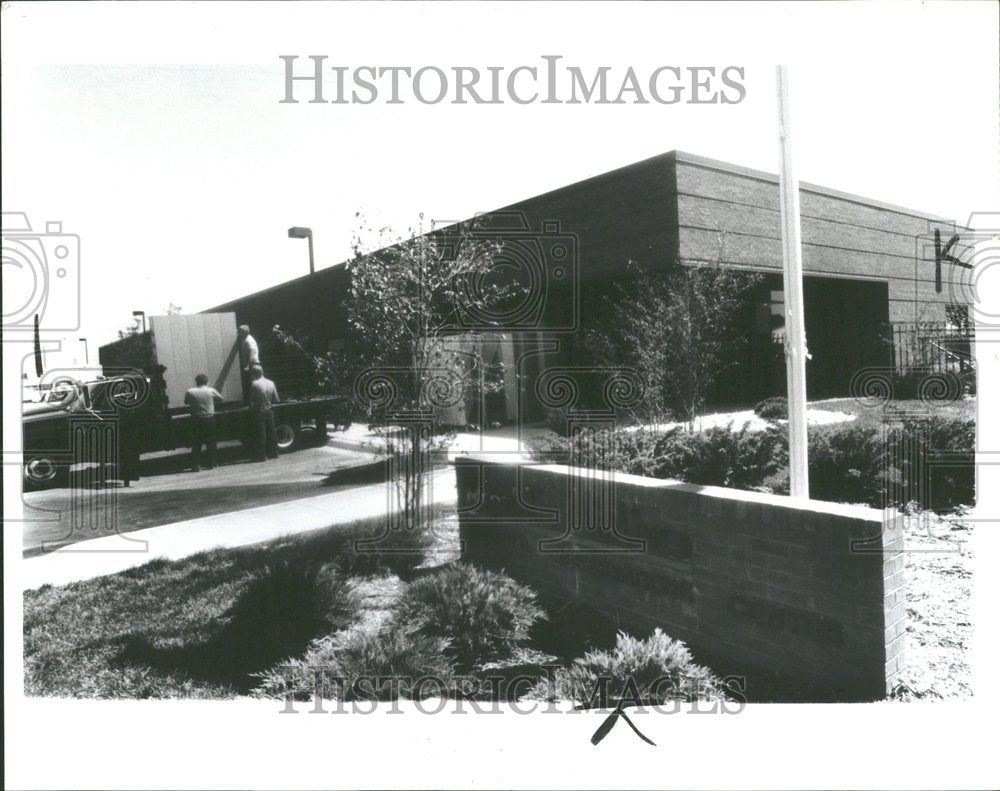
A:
809, 589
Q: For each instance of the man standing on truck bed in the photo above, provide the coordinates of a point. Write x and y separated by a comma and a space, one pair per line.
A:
202, 400
263, 394
249, 356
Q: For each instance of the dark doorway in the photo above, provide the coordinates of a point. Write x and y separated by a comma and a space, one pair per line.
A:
846, 326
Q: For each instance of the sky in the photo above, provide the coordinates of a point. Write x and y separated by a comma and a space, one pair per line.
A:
156, 134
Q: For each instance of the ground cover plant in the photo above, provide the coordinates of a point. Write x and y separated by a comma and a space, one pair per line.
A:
772, 408
485, 616
203, 625
259, 620
256, 621
651, 670
862, 461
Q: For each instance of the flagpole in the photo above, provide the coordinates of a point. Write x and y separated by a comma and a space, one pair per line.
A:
795, 330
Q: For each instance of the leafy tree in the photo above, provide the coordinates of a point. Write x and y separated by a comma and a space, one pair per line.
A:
680, 327
410, 299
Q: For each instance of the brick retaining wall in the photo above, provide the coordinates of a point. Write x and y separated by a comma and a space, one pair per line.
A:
810, 589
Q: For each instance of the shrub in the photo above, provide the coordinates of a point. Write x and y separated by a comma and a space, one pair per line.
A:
697, 457
952, 481
758, 456
380, 551
846, 464
558, 421
849, 463
624, 450
483, 615
549, 444
719, 456
653, 670
775, 408
350, 661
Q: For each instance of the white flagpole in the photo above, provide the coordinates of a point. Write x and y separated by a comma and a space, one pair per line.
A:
795, 330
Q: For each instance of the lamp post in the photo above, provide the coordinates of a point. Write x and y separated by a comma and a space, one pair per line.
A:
142, 313
298, 232
86, 351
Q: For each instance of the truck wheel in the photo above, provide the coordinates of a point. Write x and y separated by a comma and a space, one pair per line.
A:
287, 435
312, 434
41, 472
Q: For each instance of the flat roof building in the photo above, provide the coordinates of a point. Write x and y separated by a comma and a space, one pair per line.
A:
869, 267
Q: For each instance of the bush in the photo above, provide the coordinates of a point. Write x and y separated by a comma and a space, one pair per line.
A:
846, 464
558, 421
357, 657
719, 456
952, 481
653, 670
624, 450
483, 615
775, 408
852, 463
547, 445
858, 464
398, 551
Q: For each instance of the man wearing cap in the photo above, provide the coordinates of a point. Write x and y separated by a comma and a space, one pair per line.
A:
263, 394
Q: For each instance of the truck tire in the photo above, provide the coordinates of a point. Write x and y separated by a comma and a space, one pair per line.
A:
287, 435
312, 434
43, 472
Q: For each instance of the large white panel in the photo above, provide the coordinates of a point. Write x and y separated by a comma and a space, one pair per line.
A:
191, 345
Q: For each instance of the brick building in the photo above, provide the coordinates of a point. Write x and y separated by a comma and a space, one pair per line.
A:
870, 270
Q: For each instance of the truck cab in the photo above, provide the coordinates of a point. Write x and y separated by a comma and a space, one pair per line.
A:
47, 425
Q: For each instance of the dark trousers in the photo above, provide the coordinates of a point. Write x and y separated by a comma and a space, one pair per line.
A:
130, 425
265, 437
204, 434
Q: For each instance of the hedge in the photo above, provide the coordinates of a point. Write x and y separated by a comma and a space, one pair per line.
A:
875, 465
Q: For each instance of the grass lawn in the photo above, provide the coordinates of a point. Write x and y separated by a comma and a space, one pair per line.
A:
203, 626
199, 627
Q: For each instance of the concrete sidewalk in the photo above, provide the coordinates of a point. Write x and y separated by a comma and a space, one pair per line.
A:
111, 554
509, 440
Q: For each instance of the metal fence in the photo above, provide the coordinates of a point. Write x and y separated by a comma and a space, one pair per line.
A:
930, 346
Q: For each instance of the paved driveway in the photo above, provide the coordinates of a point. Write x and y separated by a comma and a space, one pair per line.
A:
167, 493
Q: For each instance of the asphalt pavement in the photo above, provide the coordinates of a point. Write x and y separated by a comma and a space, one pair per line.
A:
169, 493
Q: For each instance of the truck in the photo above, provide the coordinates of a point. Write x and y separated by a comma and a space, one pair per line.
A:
141, 407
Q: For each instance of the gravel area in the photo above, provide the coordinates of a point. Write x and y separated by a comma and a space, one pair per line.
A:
939, 557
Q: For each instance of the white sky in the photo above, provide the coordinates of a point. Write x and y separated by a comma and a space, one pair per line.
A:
155, 131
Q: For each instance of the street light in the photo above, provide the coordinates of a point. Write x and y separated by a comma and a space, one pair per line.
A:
137, 314
86, 351
304, 233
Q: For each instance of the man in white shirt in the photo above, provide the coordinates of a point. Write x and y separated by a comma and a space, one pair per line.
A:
249, 356
202, 400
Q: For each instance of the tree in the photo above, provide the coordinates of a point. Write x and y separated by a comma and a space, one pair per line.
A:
408, 305
680, 328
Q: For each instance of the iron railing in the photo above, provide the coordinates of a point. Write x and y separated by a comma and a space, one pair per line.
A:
930, 346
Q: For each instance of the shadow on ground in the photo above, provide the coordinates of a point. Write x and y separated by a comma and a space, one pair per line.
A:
275, 618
